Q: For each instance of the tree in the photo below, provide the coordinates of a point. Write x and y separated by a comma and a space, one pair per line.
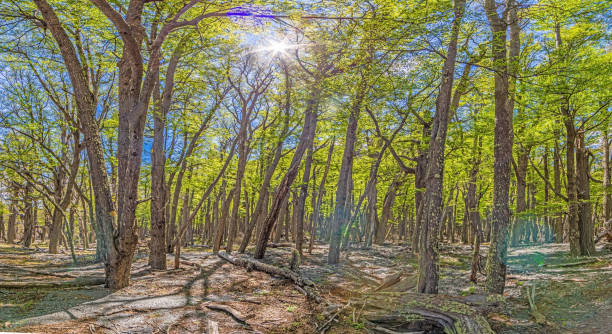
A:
135, 87
504, 67
432, 201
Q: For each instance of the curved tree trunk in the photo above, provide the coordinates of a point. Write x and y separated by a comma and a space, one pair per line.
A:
306, 139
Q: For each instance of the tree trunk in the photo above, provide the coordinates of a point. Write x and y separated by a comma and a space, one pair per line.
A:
243, 151
558, 220
2, 228
320, 193
372, 211
585, 221
420, 185
301, 204
606, 204
11, 228
432, 201
260, 208
221, 226
28, 217
473, 212
546, 191
387, 209
281, 221
451, 219
305, 141
83, 231
119, 239
159, 192
572, 190
341, 211
504, 107
185, 213
521, 186
55, 231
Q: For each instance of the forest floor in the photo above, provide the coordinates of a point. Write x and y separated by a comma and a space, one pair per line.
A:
573, 294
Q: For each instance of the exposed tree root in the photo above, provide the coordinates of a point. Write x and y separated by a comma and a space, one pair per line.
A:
411, 312
232, 312
306, 286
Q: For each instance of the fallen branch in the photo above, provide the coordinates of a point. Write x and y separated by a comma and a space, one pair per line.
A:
327, 324
306, 285
37, 272
232, 312
280, 245
52, 284
573, 264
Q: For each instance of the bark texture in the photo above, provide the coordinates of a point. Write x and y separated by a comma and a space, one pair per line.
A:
504, 106
341, 211
305, 141
432, 201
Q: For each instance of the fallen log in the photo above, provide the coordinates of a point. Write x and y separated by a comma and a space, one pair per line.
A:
572, 264
306, 285
37, 272
412, 312
280, 245
79, 282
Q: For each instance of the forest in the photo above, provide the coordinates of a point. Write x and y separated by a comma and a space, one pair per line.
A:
308, 166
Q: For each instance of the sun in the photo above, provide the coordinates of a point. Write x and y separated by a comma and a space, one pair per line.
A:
278, 47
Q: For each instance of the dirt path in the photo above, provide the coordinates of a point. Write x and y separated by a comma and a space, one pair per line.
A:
574, 299
175, 301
